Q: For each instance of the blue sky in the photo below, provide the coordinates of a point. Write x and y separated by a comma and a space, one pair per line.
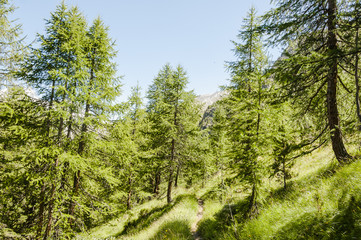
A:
151, 33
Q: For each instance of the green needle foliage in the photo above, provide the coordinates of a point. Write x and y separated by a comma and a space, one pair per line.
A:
310, 69
73, 73
245, 104
128, 154
11, 46
173, 116
72, 157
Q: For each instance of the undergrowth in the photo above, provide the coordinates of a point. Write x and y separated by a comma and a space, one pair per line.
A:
175, 224
322, 202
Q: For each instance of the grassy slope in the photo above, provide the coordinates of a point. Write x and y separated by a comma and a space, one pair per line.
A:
116, 226
153, 220
323, 201
175, 224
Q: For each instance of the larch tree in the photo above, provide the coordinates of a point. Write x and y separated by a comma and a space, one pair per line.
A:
169, 108
73, 73
244, 105
129, 143
136, 118
16, 108
349, 46
21, 128
54, 71
96, 96
219, 140
309, 69
11, 46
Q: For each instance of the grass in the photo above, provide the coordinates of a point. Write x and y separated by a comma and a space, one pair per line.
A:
174, 230
152, 220
175, 224
117, 225
322, 202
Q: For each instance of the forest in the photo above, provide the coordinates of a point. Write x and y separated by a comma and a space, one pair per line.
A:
277, 157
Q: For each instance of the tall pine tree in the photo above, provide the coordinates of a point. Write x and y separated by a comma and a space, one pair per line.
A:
169, 109
244, 104
310, 68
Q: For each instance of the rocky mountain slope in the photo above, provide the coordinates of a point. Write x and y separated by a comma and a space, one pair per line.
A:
209, 99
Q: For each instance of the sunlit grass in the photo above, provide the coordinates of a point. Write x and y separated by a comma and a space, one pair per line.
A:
174, 225
321, 202
326, 209
116, 225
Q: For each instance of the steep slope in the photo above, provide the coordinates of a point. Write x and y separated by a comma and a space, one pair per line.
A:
322, 202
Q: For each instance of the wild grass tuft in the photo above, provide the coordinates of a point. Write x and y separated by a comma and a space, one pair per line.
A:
174, 230
175, 224
322, 202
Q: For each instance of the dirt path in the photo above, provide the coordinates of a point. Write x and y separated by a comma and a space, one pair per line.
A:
195, 233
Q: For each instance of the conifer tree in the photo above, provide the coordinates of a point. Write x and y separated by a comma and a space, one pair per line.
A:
285, 134
310, 69
244, 103
219, 140
349, 46
169, 109
21, 119
73, 72
96, 93
129, 144
11, 46
54, 70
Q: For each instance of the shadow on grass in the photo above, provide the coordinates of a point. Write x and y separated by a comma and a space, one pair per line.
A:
295, 187
146, 217
175, 230
224, 222
343, 225
231, 218
337, 225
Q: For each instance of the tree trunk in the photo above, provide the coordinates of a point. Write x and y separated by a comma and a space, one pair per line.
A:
356, 70
203, 179
172, 159
51, 205
50, 212
177, 176
170, 183
66, 164
77, 174
75, 192
253, 208
284, 173
332, 111
47, 143
41, 213
53, 188
53, 185
129, 203
81, 148
259, 105
156, 182
170, 178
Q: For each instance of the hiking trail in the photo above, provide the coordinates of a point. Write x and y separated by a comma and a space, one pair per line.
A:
194, 227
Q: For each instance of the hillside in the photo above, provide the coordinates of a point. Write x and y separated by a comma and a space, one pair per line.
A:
274, 155
321, 202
